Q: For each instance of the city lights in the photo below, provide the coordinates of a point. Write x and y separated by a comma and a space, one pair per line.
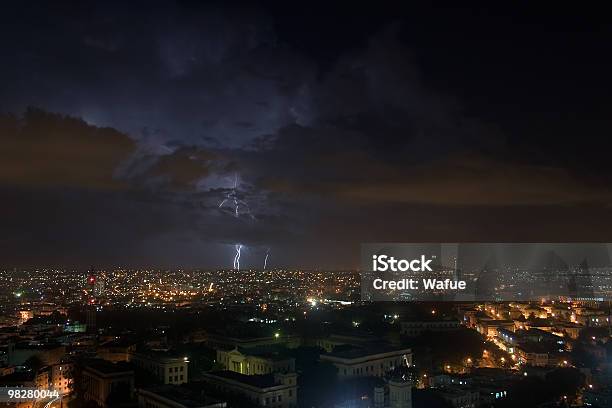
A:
294, 205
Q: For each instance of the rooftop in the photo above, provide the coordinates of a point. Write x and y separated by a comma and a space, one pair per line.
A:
159, 354
269, 352
453, 392
540, 348
184, 396
360, 352
17, 378
106, 367
259, 381
45, 346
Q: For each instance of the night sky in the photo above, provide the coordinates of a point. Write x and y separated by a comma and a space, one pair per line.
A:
123, 127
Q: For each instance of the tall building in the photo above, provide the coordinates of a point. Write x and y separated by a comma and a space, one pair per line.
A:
104, 381
60, 377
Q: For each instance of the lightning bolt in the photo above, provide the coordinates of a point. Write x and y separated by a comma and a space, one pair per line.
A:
236, 214
238, 206
237, 257
233, 201
266, 258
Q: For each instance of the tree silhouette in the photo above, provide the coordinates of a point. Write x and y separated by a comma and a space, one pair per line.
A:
34, 362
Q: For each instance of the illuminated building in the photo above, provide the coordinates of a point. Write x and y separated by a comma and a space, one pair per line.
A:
534, 354
489, 327
25, 315
60, 378
256, 360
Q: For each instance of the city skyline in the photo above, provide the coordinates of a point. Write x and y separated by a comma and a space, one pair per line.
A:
289, 339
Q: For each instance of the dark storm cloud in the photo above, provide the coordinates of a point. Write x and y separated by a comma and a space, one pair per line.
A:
167, 75
181, 169
64, 201
48, 150
456, 179
210, 103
